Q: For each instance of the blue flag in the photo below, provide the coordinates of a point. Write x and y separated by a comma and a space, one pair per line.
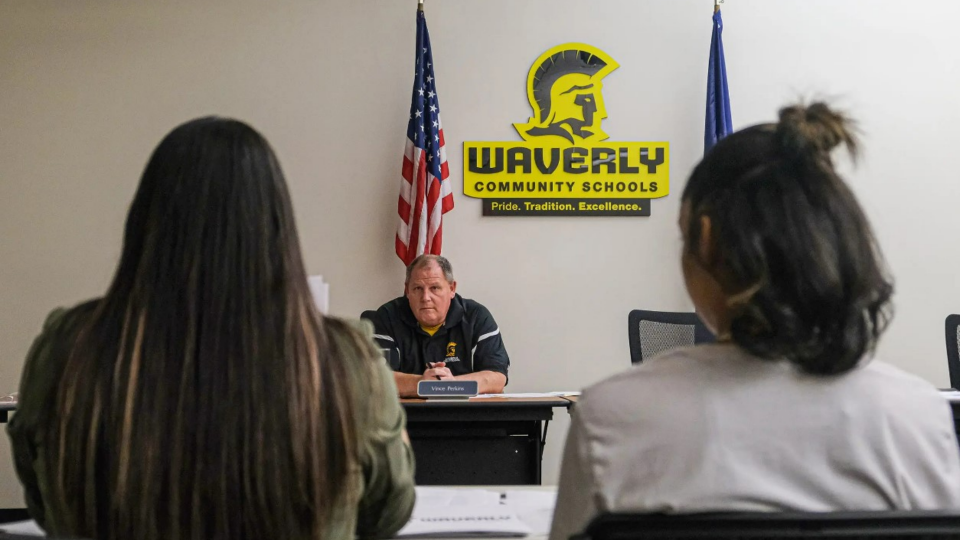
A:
718, 124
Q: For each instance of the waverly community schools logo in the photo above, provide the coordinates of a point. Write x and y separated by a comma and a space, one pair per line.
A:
563, 167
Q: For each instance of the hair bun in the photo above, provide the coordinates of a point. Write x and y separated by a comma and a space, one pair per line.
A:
811, 132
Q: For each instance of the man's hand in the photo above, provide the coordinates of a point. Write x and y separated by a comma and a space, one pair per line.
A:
437, 371
490, 382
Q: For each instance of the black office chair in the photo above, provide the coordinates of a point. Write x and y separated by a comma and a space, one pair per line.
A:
392, 354
652, 332
887, 525
953, 349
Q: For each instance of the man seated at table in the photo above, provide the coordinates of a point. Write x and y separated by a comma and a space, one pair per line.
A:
439, 334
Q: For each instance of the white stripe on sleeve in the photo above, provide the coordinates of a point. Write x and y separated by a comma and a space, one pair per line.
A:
488, 335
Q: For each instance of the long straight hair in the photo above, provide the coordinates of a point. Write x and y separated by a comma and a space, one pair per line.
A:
200, 399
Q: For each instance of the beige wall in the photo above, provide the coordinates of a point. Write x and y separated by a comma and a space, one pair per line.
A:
88, 87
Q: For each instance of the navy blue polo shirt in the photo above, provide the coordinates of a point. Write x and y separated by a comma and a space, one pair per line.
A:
468, 341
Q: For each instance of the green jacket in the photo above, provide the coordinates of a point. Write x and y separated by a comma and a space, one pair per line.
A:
386, 482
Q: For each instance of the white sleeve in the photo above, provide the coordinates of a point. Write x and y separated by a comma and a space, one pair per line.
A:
575, 497
931, 478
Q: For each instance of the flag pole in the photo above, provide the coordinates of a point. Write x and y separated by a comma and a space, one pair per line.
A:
716, 5
420, 7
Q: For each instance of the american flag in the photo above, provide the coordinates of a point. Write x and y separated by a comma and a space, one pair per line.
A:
425, 190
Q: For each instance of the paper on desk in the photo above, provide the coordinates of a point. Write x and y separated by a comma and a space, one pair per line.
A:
951, 395
441, 512
534, 508
26, 528
539, 499
12, 398
431, 497
531, 395
469, 521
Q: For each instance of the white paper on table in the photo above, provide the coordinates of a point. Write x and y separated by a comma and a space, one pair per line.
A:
953, 396
436, 511
431, 497
26, 528
529, 497
495, 521
535, 508
531, 395
321, 293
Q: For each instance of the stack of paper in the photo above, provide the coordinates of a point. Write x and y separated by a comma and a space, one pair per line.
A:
531, 395
431, 497
468, 521
447, 513
953, 396
459, 512
25, 528
533, 507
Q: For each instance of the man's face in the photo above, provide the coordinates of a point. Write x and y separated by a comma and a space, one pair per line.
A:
429, 294
577, 100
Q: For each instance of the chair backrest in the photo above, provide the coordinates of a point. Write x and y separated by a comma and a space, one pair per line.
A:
953, 349
652, 332
391, 354
887, 525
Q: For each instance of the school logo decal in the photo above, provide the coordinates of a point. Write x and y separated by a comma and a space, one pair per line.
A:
451, 353
563, 167
565, 92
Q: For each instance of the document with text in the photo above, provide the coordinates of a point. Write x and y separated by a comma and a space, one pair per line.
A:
469, 512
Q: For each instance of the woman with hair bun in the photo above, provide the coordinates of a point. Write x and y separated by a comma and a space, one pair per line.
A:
787, 411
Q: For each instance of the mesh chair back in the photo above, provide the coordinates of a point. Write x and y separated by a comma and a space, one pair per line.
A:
653, 332
776, 525
953, 349
656, 337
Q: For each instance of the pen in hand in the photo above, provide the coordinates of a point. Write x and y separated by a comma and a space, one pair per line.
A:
434, 365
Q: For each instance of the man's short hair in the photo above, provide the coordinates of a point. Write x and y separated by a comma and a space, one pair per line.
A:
425, 260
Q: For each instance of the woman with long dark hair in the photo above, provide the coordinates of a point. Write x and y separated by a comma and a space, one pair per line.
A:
787, 411
204, 397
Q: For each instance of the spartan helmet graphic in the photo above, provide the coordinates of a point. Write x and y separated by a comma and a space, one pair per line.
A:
565, 93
